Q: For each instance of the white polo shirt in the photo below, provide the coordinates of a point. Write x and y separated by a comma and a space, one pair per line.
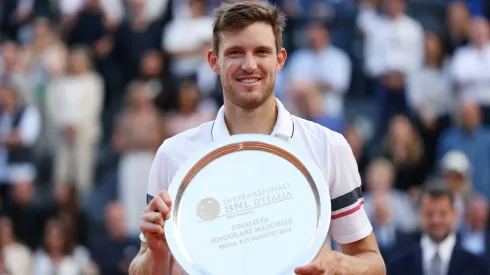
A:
328, 149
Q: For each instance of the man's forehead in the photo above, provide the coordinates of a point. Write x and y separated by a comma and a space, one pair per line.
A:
427, 200
252, 36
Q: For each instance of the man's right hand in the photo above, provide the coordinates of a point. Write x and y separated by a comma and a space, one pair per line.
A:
153, 220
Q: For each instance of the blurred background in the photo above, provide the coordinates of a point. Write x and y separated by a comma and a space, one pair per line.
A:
90, 88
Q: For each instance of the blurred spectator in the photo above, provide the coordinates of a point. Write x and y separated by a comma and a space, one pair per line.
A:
456, 172
183, 39
11, 67
138, 134
404, 148
327, 66
17, 17
13, 251
429, 96
66, 207
305, 99
191, 111
74, 104
473, 139
438, 251
152, 72
358, 145
91, 24
393, 51
114, 251
27, 218
458, 26
475, 236
135, 36
44, 57
389, 210
55, 256
471, 66
20, 125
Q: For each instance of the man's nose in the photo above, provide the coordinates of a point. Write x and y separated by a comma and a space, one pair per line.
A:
249, 64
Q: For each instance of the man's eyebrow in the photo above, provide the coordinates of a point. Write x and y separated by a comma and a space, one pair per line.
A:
236, 47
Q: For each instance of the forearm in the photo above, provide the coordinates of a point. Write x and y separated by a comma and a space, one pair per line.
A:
367, 263
145, 263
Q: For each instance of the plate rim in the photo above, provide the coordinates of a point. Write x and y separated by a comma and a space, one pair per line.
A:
320, 236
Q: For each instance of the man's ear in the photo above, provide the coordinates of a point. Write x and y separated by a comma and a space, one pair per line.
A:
213, 61
282, 55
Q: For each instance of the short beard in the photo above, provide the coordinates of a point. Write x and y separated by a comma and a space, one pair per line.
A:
437, 239
249, 104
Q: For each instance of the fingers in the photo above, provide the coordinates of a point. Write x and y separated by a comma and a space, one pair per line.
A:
166, 198
152, 223
153, 217
161, 203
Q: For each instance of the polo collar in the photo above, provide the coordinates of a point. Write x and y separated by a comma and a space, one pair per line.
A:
284, 127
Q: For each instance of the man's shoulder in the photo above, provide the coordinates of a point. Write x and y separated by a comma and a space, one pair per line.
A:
186, 140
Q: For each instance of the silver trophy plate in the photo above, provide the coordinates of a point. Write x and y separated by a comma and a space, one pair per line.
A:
252, 204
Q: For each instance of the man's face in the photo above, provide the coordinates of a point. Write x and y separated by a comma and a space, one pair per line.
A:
318, 35
247, 62
453, 180
394, 7
479, 31
437, 217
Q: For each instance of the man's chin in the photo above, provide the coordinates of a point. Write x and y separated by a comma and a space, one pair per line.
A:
438, 238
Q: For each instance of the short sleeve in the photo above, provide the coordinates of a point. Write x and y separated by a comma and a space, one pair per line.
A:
159, 178
349, 222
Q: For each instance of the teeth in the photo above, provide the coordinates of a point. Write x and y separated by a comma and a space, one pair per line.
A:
249, 80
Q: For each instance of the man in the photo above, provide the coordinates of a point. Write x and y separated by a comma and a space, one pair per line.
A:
438, 252
472, 138
247, 53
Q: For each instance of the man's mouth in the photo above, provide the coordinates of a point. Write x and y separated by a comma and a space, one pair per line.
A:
249, 80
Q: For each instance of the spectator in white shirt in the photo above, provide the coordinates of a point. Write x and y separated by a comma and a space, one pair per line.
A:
14, 251
325, 65
471, 67
20, 125
394, 50
55, 256
184, 37
74, 105
429, 96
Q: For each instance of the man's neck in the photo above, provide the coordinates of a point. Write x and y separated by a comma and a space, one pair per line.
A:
260, 120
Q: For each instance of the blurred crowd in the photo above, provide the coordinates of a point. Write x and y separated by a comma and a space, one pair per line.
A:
89, 89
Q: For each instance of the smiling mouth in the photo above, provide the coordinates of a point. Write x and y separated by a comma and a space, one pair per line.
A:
249, 80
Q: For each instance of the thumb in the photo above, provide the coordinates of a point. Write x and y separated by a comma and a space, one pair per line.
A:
305, 270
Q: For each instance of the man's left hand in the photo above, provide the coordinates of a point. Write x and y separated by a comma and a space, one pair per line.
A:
326, 263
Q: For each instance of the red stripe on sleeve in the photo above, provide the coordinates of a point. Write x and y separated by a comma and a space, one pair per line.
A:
348, 212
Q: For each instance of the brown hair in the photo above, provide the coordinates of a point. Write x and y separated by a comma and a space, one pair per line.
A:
240, 15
